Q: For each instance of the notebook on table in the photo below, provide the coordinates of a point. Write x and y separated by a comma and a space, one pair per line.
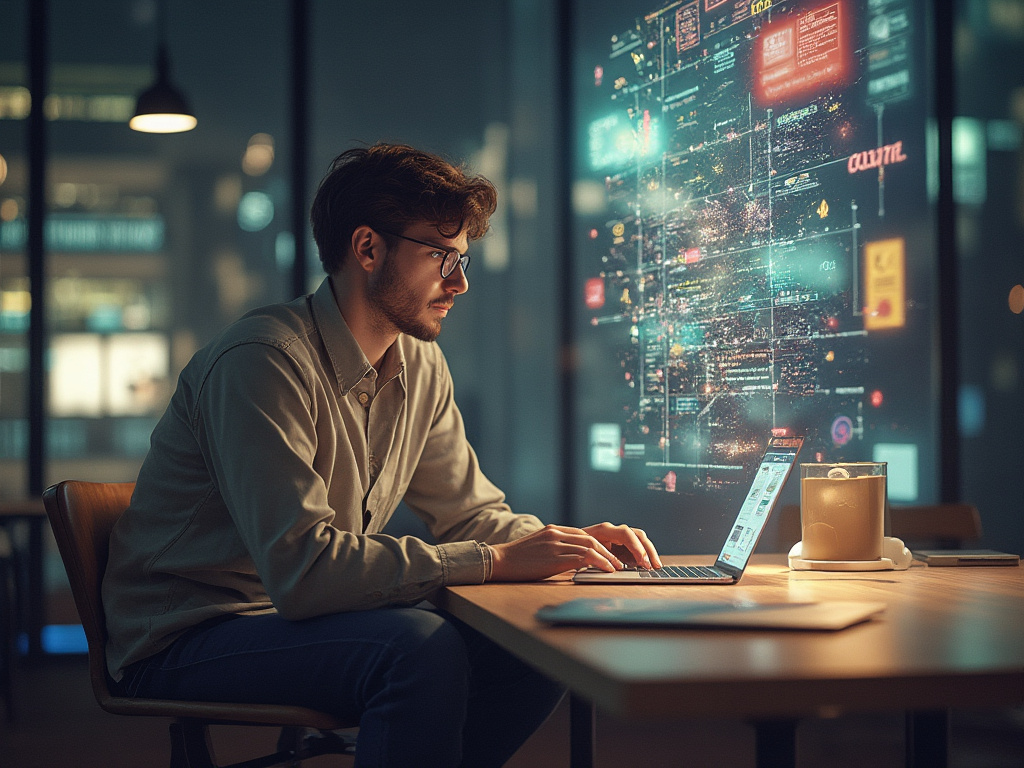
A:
776, 464
966, 557
738, 614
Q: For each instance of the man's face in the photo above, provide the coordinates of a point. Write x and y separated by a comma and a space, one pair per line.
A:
408, 292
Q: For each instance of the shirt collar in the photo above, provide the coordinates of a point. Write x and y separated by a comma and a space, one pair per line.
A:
347, 358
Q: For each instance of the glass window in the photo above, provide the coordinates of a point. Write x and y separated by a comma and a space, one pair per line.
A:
493, 106
15, 299
988, 167
155, 241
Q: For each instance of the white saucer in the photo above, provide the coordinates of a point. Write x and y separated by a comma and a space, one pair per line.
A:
897, 558
882, 564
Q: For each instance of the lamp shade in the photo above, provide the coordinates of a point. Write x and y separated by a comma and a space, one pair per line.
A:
162, 108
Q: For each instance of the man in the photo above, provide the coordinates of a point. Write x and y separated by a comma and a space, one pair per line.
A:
251, 564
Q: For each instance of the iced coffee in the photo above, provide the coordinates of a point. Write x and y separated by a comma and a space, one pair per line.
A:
842, 510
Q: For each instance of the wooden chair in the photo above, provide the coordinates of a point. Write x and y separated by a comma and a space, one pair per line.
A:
935, 526
82, 515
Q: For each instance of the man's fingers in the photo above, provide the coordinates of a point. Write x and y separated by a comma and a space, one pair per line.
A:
634, 540
582, 538
648, 545
588, 556
587, 545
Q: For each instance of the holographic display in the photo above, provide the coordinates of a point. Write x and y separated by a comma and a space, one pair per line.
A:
754, 241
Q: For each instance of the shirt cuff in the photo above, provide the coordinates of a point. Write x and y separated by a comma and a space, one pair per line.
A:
488, 554
464, 562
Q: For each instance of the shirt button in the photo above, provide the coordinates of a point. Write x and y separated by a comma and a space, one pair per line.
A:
364, 398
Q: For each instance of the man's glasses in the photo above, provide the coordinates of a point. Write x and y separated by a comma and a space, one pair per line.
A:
449, 256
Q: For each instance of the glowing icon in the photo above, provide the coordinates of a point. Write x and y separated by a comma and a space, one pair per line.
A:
876, 398
822, 210
885, 284
830, 356
842, 430
618, 229
625, 297
593, 293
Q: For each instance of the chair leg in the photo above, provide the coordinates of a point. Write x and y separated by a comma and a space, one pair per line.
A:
775, 743
291, 740
190, 745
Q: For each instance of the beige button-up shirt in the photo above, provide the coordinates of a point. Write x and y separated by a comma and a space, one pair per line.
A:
270, 477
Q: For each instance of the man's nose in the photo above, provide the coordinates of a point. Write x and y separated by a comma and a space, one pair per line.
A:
457, 282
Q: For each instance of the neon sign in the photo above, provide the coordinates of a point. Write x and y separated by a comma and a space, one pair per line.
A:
875, 158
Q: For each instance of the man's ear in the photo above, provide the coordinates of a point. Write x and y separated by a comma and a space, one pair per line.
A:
364, 243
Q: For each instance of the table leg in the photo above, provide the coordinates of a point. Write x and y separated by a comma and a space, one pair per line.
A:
775, 743
928, 739
581, 732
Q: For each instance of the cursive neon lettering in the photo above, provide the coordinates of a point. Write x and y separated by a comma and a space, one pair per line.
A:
876, 158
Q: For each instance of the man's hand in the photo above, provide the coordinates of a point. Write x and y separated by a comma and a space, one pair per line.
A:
558, 548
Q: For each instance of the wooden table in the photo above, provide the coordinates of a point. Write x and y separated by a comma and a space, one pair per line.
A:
949, 637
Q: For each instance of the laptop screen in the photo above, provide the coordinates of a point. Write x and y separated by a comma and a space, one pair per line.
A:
775, 467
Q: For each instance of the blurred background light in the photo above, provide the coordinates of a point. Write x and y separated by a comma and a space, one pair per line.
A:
255, 211
259, 155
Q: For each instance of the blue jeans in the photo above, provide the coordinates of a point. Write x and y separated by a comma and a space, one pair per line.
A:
426, 689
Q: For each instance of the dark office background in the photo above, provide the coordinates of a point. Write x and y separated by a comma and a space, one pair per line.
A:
158, 241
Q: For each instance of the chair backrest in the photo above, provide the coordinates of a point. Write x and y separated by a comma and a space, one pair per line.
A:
82, 516
944, 526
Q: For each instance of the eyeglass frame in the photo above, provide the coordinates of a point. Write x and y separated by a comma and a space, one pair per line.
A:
460, 258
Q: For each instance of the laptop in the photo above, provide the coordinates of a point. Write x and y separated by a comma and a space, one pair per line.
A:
776, 464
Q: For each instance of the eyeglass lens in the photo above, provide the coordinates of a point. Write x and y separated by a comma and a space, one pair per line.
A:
451, 259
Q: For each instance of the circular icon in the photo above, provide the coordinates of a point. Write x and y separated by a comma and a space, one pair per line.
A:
842, 430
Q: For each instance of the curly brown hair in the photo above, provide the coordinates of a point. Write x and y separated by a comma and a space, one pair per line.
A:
390, 186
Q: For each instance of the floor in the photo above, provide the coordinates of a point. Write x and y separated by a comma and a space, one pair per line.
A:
57, 724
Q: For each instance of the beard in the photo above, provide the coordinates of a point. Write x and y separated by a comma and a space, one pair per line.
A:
399, 307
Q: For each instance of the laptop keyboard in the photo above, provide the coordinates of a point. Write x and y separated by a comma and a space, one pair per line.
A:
685, 571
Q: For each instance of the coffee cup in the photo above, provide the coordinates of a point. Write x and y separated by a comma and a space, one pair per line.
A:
842, 511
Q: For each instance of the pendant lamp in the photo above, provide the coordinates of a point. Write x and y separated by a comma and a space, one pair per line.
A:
162, 108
